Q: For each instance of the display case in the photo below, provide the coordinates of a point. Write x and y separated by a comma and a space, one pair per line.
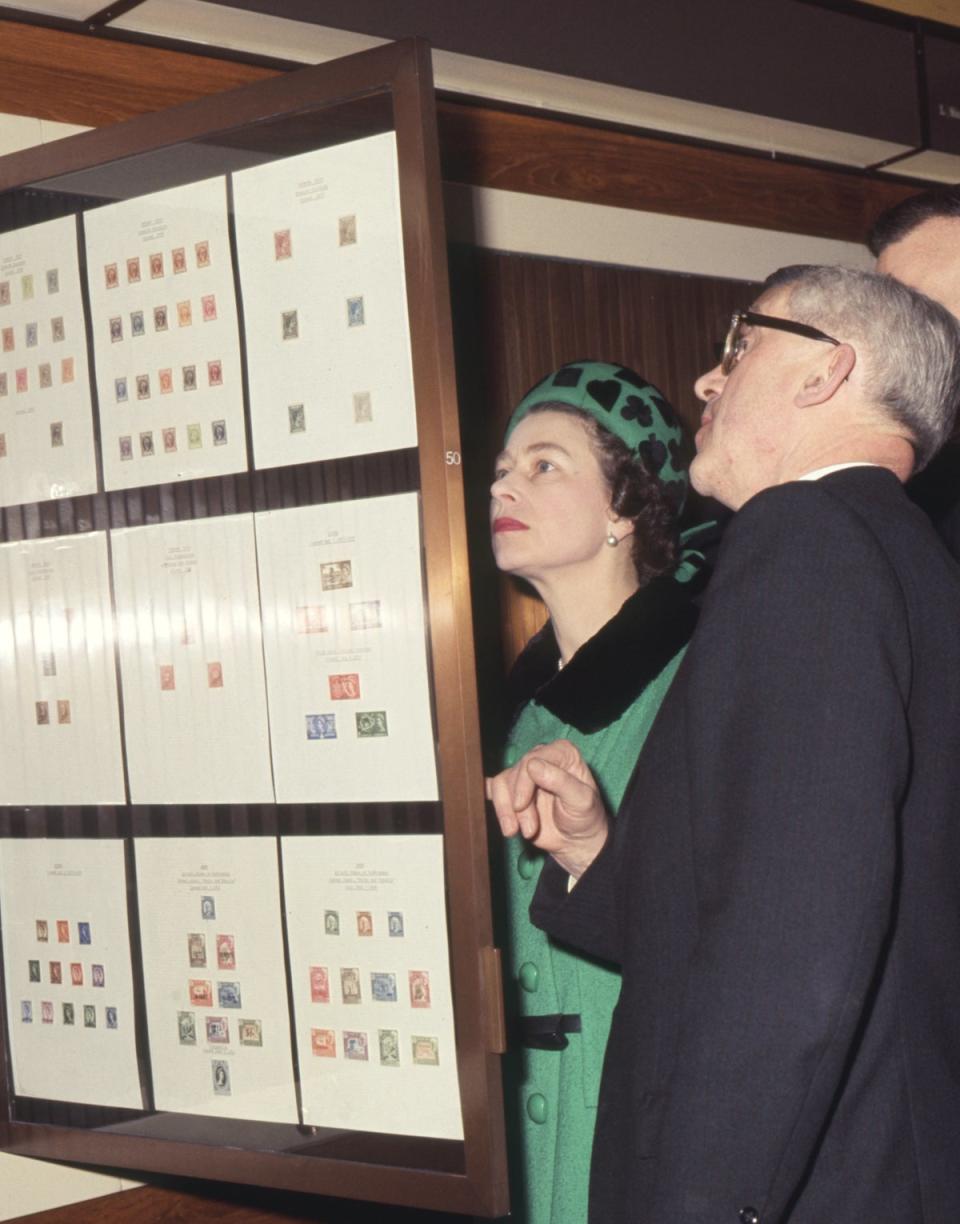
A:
244, 896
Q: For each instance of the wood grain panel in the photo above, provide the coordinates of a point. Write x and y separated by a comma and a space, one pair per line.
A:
72, 78
577, 161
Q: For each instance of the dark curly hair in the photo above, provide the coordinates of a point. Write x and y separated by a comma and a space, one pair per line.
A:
635, 493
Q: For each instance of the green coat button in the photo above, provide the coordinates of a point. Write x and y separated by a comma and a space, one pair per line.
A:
537, 1107
529, 976
525, 864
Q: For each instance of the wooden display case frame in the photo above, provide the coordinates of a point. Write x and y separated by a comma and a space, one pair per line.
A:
336, 101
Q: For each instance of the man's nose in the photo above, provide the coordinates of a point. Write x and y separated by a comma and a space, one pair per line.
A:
710, 384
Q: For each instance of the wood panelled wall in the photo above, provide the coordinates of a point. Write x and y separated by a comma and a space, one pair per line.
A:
516, 318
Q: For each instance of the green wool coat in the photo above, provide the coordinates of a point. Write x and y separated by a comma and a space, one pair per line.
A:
604, 701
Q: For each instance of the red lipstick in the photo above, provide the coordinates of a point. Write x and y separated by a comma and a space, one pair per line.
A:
508, 524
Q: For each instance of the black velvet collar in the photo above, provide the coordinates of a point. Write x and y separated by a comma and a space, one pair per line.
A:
609, 671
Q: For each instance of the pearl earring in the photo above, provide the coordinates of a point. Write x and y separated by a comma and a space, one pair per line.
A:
612, 539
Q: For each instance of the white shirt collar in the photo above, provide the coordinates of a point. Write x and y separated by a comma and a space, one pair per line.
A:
833, 467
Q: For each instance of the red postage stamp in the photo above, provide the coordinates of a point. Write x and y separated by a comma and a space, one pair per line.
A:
76, 974
345, 687
167, 677
111, 276
419, 988
133, 270
201, 993
156, 265
323, 1042
282, 246
209, 305
214, 675
319, 984
202, 250
178, 258
312, 618
226, 952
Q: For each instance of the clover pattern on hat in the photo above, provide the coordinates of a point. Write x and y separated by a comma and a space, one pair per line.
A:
625, 403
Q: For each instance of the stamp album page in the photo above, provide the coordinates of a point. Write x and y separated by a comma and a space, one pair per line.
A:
58, 678
195, 711
325, 304
46, 416
366, 924
66, 954
165, 337
214, 977
345, 650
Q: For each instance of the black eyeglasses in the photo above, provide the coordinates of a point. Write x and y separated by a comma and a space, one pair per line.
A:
732, 350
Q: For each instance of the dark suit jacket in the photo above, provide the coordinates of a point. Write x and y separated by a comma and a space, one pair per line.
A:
782, 887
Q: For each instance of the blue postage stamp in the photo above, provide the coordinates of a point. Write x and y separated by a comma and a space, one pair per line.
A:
383, 987
321, 726
228, 994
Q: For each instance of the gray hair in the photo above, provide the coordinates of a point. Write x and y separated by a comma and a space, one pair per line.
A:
910, 345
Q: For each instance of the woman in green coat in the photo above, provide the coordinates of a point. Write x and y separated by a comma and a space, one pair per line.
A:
585, 507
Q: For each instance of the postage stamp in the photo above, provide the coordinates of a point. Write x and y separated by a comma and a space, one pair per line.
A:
4, 383
83, 933
48, 663
226, 952
289, 325
184, 314
215, 373
228, 994
63, 712
336, 575
9, 344
133, 270
126, 446
321, 726
282, 246
97, 975
312, 618
23, 383
33, 970
156, 265
395, 924
426, 1051
76, 974
389, 1042
208, 907
26, 286
220, 1069
56, 973
187, 1027
202, 250
355, 1045
31, 335
371, 723
355, 314
120, 390
53, 280
160, 318
365, 615
43, 929
143, 386
89, 1016
111, 276
319, 984
3, 446
197, 949
63, 931
219, 431
331, 922
169, 439
4, 293
297, 418
323, 1043
146, 443
26, 1011
178, 259
364, 922
110, 1015
194, 436
56, 433
349, 985
383, 987
208, 307
217, 1029
362, 407
57, 330
68, 1013
419, 988
345, 687
137, 326
46, 1012
168, 677
347, 230
251, 1032
215, 680
43, 713
45, 375
201, 993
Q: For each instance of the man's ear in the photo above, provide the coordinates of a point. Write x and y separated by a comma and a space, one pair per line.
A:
826, 378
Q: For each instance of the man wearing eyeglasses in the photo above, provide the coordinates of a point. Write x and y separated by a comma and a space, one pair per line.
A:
781, 886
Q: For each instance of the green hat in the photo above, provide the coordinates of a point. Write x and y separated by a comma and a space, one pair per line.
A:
626, 404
